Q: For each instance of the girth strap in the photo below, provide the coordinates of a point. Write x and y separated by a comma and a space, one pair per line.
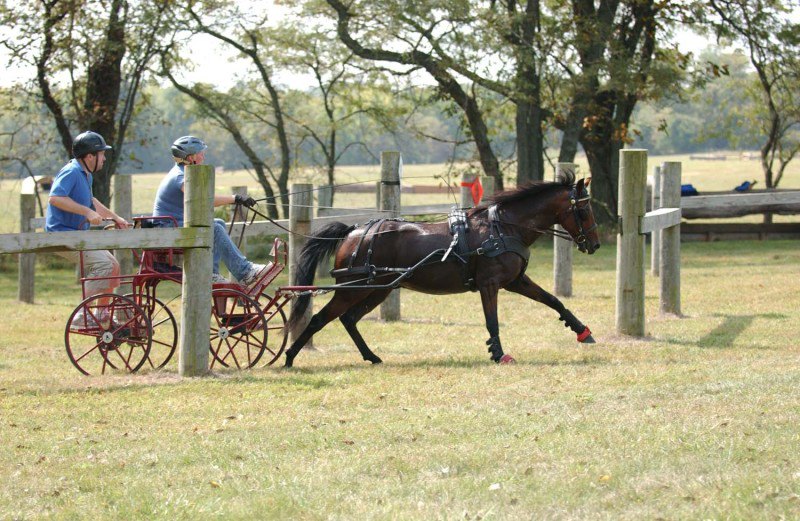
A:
499, 243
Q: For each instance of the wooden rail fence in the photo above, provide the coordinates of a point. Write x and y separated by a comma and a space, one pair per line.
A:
634, 223
196, 238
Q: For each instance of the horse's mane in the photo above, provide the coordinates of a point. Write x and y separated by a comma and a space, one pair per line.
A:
528, 190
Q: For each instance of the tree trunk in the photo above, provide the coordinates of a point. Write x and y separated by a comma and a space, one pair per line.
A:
530, 146
102, 94
530, 150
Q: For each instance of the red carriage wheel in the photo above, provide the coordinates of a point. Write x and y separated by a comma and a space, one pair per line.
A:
108, 333
164, 330
238, 329
277, 331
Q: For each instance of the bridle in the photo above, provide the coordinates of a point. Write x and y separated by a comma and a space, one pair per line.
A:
576, 210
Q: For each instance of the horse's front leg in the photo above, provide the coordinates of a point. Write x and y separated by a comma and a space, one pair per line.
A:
525, 286
489, 301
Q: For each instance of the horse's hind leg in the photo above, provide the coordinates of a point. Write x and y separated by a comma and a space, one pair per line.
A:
356, 313
338, 305
525, 286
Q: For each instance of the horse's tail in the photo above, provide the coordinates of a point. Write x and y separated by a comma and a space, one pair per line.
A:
325, 242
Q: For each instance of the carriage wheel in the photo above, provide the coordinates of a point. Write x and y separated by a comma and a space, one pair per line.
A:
238, 329
277, 332
164, 328
107, 333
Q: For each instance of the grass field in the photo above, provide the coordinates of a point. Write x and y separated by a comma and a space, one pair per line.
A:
697, 421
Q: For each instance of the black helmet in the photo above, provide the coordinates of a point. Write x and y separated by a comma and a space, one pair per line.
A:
87, 143
186, 146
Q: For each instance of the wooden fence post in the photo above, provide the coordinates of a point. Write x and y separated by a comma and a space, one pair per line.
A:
123, 207
324, 200
670, 263
655, 237
489, 187
466, 191
390, 204
239, 216
27, 261
197, 264
630, 243
301, 203
562, 248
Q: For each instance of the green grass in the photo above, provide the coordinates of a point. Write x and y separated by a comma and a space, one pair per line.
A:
698, 420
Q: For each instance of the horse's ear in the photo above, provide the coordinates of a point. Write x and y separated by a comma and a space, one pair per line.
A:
579, 186
588, 180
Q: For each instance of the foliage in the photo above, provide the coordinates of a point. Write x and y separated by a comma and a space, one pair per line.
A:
772, 44
90, 60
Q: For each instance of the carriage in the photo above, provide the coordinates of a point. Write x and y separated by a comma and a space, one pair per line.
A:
485, 249
127, 332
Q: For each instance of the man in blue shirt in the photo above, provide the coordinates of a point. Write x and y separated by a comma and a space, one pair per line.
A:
189, 150
73, 207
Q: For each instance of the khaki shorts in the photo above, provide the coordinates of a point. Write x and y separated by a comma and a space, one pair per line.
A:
96, 263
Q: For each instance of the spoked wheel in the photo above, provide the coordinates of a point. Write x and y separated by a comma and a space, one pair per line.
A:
277, 332
238, 329
108, 333
164, 328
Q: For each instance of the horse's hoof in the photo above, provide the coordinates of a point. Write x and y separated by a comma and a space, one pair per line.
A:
376, 361
507, 359
586, 337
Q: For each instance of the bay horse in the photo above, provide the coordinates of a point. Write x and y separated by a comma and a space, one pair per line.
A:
373, 259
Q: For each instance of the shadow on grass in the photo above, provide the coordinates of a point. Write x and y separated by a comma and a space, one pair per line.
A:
303, 378
725, 334
453, 363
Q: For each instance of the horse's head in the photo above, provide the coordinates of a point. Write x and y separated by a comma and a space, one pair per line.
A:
577, 218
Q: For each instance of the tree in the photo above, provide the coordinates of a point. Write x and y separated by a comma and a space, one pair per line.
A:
90, 60
772, 43
421, 33
344, 90
616, 53
249, 103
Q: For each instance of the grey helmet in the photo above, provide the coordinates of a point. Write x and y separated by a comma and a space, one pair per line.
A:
87, 143
186, 146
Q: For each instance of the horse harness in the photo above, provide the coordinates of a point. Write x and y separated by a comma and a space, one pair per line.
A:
495, 245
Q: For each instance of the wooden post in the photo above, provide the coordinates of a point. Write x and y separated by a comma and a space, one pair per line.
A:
466, 193
390, 205
488, 186
670, 263
123, 207
239, 216
324, 200
300, 211
562, 248
197, 264
27, 261
655, 237
630, 243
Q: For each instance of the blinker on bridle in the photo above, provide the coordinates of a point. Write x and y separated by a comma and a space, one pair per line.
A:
574, 199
